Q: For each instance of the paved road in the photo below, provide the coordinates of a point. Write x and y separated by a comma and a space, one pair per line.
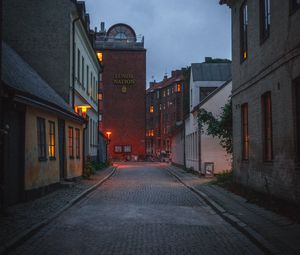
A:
140, 210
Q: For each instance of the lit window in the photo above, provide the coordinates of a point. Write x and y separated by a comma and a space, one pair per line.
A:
151, 108
71, 144
77, 142
51, 139
127, 148
100, 96
41, 135
244, 31
178, 87
100, 56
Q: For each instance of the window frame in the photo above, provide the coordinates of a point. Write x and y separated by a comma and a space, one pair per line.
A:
50, 145
78, 65
296, 88
129, 146
82, 71
71, 142
294, 6
77, 143
118, 151
265, 19
245, 131
267, 127
41, 139
244, 31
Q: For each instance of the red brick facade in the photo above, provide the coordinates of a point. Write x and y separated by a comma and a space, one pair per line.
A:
124, 80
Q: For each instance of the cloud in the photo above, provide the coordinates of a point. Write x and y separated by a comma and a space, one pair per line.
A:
177, 33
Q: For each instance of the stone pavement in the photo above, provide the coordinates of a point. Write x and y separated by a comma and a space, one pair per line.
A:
274, 233
140, 210
22, 220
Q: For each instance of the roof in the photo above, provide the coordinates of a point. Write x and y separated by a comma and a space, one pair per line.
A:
211, 95
20, 76
165, 83
211, 71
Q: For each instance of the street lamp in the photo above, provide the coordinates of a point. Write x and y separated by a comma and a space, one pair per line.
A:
108, 134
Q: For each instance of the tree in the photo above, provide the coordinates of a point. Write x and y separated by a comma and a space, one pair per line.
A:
218, 127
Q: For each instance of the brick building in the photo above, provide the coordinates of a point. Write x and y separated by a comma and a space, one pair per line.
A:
266, 95
164, 112
122, 92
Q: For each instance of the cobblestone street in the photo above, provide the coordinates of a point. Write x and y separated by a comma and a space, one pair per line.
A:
142, 209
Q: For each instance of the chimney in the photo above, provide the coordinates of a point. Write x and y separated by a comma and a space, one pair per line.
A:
95, 29
102, 25
152, 84
208, 59
166, 76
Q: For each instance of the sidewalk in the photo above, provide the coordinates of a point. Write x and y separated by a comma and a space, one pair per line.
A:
273, 233
23, 220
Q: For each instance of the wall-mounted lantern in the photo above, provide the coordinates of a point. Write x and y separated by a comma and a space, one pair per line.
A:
82, 109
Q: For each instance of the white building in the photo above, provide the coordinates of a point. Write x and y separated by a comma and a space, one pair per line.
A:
86, 79
212, 154
204, 79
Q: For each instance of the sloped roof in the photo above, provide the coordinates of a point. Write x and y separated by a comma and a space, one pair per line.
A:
20, 76
166, 82
211, 71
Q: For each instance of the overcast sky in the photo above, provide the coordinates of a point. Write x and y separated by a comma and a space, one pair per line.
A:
177, 32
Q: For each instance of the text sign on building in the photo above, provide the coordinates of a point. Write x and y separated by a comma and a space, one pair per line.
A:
123, 79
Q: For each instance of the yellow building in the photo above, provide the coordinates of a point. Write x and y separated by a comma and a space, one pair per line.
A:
43, 141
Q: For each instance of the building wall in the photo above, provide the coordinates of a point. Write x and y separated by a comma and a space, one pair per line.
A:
43, 38
74, 164
124, 113
43, 173
177, 148
192, 142
211, 150
271, 66
39, 173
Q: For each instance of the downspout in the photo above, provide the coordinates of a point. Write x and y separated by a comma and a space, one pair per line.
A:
73, 61
83, 144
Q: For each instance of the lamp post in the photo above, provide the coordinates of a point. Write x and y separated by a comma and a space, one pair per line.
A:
108, 134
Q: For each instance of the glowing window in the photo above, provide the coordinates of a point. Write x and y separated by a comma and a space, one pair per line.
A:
178, 87
151, 108
51, 146
100, 56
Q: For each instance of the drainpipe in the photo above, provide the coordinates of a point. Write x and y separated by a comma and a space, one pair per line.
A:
73, 61
83, 143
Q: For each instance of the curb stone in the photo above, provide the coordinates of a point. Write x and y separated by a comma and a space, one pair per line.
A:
35, 228
255, 237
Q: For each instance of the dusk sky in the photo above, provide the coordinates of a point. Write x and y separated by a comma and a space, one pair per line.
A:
177, 33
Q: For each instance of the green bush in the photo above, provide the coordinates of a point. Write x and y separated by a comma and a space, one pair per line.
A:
91, 167
224, 178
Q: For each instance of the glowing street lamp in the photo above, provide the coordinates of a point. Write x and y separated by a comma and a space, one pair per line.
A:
82, 109
108, 134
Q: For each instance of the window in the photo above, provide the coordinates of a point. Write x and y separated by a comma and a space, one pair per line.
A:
243, 31
100, 96
267, 126
265, 19
41, 136
82, 70
151, 108
297, 116
157, 94
205, 91
178, 87
78, 65
294, 5
51, 140
94, 88
71, 144
87, 76
77, 142
118, 149
127, 148
100, 56
91, 132
245, 132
